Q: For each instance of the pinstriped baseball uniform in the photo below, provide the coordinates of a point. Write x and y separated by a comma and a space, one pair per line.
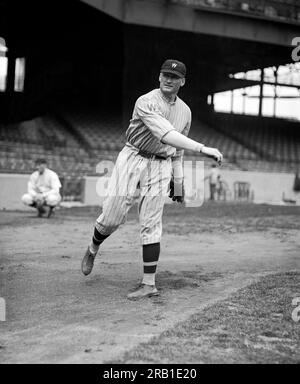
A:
153, 117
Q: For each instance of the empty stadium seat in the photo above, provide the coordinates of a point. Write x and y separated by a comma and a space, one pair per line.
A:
75, 143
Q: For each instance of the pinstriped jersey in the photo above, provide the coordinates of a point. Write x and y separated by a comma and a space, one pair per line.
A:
153, 117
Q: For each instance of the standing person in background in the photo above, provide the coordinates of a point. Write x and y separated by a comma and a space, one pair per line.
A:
43, 189
296, 186
219, 187
214, 177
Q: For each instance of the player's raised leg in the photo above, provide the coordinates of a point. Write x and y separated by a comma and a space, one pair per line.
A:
119, 199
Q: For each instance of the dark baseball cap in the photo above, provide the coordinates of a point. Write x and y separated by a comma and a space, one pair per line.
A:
174, 66
40, 161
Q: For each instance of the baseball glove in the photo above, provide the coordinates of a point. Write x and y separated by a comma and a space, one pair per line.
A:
176, 191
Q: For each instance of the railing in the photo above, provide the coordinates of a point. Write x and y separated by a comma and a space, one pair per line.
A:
280, 10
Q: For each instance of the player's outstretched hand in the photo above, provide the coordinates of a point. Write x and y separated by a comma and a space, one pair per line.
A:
176, 191
213, 153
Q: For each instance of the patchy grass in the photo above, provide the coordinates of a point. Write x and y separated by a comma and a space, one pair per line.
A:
254, 325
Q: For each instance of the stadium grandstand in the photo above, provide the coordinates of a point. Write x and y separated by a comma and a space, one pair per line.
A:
67, 91
279, 10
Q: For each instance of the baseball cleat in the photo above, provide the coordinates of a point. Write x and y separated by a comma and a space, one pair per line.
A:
143, 291
41, 210
50, 212
87, 262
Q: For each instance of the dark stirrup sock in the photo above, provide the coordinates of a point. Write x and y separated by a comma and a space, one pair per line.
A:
150, 259
97, 240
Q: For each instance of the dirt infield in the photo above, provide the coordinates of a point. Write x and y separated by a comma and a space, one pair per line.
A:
56, 315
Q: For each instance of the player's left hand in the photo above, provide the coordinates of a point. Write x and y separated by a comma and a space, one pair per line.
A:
176, 191
213, 153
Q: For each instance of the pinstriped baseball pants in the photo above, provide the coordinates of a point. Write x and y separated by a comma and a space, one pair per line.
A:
153, 176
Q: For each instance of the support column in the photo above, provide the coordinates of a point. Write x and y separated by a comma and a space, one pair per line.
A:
275, 92
10, 83
261, 94
244, 101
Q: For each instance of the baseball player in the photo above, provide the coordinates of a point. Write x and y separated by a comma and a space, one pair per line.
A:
43, 189
151, 158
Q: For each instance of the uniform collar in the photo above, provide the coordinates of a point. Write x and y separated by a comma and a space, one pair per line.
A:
165, 99
45, 171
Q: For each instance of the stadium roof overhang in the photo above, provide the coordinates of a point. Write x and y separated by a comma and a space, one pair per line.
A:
218, 44
163, 14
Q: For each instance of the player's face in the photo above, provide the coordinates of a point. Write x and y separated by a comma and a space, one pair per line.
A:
170, 83
41, 168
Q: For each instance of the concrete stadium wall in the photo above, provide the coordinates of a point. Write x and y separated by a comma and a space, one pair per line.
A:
12, 187
266, 187
94, 191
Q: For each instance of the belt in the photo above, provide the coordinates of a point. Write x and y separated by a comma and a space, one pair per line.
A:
149, 155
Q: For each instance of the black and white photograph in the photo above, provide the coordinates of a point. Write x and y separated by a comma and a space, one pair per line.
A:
149, 185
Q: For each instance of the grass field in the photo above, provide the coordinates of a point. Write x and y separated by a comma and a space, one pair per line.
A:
254, 325
227, 276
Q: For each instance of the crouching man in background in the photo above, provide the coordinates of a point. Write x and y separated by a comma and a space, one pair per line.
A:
43, 189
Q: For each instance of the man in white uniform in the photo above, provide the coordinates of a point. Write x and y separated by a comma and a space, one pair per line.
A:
43, 189
156, 138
